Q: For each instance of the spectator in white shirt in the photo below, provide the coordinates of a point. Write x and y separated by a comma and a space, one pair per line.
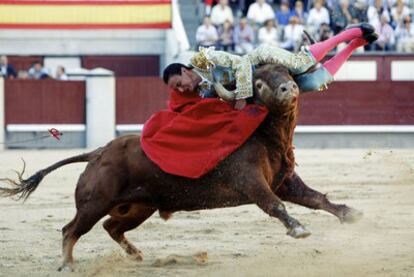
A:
292, 35
221, 13
405, 36
375, 12
259, 12
61, 73
243, 37
317, 15
300, 12
226, 36
37, 71
206, 34
386, 39
268, 34
399, 13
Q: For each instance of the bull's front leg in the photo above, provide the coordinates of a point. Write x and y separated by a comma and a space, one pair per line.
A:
258, 191
296, 191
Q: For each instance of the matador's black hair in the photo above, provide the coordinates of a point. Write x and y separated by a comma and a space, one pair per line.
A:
173, 69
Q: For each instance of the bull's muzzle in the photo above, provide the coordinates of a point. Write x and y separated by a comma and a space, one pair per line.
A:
288, 90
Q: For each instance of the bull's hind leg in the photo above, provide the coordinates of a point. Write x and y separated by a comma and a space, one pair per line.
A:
258, 191
296, 191
83, 222
124, 218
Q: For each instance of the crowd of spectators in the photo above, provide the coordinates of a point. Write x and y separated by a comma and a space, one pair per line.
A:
35, 72
240, 25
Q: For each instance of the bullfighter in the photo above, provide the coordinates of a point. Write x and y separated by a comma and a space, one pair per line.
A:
229, 76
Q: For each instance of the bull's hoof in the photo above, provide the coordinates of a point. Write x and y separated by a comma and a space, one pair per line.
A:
351, 216
133, 252
299, 232
137, 256
66, 267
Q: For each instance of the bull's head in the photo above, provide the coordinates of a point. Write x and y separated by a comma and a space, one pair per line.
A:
275, 88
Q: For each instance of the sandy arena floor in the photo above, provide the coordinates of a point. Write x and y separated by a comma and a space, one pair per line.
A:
241, 241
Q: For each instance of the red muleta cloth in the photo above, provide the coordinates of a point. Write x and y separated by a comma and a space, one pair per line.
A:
195, 134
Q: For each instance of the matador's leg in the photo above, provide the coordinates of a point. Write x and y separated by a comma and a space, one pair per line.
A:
307, 57
299, 63
318, 79
296, 63
335, 63
320, 49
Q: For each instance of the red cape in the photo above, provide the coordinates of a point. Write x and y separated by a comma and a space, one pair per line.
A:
195, 134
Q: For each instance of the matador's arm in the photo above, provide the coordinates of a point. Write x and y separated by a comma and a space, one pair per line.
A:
241, 67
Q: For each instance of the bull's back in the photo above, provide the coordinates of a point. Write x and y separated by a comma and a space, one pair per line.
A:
124, 163
218, 188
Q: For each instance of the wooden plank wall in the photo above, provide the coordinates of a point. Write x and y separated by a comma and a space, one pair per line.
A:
125, 66
345, 103
360, 102
44, 101
138, 98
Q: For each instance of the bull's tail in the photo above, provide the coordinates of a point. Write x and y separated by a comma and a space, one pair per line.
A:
22, 188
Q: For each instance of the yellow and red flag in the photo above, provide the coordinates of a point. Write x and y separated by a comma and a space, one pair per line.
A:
85, 14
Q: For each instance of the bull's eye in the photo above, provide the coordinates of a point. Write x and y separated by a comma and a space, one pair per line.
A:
259, 85
283, 88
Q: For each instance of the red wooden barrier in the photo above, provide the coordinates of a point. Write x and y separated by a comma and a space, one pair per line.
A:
345, 103
360, 103
387, 60
44, 101
125, 66
138, 98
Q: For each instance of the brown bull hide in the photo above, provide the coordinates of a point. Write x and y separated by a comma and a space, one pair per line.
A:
121, 181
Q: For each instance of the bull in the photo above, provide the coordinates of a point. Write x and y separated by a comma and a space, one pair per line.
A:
122, 182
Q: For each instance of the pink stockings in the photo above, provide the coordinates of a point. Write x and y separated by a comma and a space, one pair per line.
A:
320, 49
339, 59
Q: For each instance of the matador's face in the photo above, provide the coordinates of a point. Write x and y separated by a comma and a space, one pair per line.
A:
186, 82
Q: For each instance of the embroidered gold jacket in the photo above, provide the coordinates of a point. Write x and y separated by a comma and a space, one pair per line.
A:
236, 72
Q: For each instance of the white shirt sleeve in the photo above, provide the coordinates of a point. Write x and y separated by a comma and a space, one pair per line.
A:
251, 13
326, 16
200, 34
